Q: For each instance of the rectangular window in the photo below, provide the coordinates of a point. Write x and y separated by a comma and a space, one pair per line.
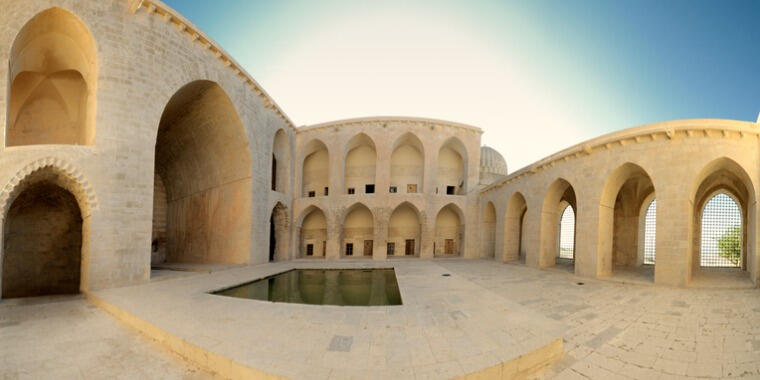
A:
309, 249
369, 189
368, 248
450, 190
411, 188
327, 190
324, 248
349, 249
409, 251
312, 194
393, 190
351, 190
391, 249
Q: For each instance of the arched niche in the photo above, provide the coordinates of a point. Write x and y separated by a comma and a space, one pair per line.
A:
313, 233
357, 232
45, 236
278, 233
404, 231
449, 231
408, 164
203, 161
53, 82
315, 171
451, 170
360, 165
280, 171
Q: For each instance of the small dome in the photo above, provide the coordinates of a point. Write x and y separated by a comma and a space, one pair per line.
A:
492, 162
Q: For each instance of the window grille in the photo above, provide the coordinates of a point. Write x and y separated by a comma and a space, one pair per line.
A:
567, 234
721, 244
351, 190
650, 232
309, 249
349, 249
312, 194
391, 249
393, 190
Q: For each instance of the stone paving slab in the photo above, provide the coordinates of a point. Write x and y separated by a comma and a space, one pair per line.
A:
67, 337
628, 331
447, 327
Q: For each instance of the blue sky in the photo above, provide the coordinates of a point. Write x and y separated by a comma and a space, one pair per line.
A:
536, 76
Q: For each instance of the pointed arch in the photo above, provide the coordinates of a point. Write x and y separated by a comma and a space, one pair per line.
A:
488, 230
408, 164
559, 195
451, 172
625, 190
357, 231
280, 168
53, 81
315, 168
46, 219
278, 233
405, 230
513, 227
203, 159
723, 177
449, 231
311, 227
360, 164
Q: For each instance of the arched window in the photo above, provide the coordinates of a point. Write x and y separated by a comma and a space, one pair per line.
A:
650, 232
721, 244
567, 234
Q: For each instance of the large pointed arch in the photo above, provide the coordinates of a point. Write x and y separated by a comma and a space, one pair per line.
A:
53, 81
625, 190
203, 159
723, 177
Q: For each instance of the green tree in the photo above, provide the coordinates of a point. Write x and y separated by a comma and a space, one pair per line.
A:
730, 244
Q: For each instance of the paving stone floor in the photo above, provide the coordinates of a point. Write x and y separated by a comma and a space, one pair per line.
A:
69, 338
613, 331
620, 331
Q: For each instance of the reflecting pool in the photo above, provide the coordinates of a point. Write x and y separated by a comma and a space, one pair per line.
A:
344, 287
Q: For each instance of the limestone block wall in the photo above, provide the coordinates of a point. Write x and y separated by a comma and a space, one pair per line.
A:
144, 53
674, 160
406, 152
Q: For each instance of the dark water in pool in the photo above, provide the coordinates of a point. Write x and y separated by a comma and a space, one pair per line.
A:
344, 287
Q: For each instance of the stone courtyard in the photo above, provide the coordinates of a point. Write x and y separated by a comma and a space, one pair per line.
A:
610, 330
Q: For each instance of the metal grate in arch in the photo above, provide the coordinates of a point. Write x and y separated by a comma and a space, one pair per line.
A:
650, 232
567, 234
721, 238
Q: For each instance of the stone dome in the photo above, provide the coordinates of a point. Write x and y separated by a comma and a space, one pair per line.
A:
492, 162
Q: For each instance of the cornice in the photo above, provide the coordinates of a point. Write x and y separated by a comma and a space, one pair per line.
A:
168, 15
667, 130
